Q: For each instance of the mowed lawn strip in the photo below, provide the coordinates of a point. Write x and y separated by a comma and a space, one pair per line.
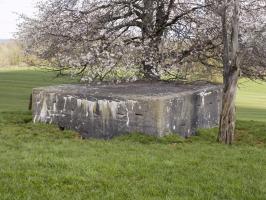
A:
38, 161
16, 87
251, 100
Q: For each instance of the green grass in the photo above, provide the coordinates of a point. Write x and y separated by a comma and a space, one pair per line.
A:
38, 161
16, 87
251, 100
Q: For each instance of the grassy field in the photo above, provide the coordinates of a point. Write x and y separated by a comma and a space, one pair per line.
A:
251, 100
16, 87
40, 162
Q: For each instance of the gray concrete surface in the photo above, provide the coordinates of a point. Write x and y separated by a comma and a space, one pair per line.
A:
153, 108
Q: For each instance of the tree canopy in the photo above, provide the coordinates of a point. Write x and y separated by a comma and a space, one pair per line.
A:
149, 37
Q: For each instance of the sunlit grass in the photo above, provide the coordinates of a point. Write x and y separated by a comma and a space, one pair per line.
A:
16, 86
251, 100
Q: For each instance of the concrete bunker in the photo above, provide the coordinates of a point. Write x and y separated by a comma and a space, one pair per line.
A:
153, 108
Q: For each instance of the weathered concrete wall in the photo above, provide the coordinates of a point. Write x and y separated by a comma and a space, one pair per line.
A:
152, 108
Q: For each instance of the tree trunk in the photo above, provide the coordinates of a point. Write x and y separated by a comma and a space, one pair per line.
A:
231, 73
150, 42
151, 60
227, 118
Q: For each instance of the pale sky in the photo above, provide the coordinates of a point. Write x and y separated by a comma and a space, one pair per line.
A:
8, 18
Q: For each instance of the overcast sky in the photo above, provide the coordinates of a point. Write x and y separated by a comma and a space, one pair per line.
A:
8, 18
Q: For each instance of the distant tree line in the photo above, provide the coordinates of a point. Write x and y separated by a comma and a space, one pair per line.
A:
12, 54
